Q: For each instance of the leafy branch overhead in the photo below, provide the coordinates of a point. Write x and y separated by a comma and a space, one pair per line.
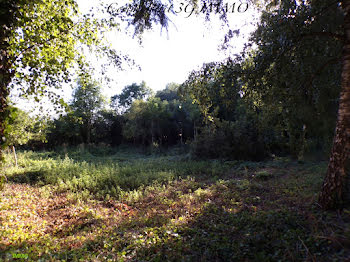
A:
48, 42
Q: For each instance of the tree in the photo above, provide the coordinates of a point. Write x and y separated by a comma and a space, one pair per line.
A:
281, 76
215, 88
21, 129
185, 117
39, 44
107, 128
65, 130
335, 187
42, 40
307, 40
7, 22
231, 125
169, 93
143, 121
129, 94
87, 102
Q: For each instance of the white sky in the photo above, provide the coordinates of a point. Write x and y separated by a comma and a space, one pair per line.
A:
170, 56
166, 57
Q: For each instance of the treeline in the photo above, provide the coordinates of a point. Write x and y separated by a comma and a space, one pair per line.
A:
136, 117
279, 96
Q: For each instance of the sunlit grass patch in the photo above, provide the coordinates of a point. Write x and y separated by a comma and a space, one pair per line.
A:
108, 178
58, 208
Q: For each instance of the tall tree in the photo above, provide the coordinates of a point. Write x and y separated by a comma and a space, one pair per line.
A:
307, 38
215, 88
8, 9
143, 121
281, 74
40, 43
335, 190
87, 102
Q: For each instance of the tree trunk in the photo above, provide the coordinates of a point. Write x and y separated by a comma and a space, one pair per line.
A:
152, 134
333, 194
88, 134
302, 144
14, 155
3, 101
194, 130
8, 10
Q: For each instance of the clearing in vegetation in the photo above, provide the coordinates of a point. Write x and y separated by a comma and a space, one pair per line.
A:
115, 205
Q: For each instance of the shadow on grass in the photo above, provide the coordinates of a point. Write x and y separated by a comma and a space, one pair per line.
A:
212, 235
232, 220
217, 235
27, 177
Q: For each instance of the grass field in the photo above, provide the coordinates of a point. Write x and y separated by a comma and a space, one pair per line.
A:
122, 205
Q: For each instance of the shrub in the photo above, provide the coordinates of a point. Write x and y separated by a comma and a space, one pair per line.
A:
238, 140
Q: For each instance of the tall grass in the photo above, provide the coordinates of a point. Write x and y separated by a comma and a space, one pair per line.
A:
107, 175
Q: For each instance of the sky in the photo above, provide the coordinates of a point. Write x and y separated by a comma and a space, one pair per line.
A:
167, 56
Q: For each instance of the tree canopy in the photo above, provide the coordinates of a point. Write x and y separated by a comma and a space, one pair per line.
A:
129, 94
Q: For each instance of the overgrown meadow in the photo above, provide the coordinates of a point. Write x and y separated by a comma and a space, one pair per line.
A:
105, 204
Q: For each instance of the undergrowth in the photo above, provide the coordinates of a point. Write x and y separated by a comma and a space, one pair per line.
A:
80, 171
125, 206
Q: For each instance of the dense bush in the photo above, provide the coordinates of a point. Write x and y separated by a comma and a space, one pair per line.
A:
233, 140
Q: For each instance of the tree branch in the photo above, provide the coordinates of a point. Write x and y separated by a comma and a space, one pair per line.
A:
41, 43
326, 7
320, 69
32, 46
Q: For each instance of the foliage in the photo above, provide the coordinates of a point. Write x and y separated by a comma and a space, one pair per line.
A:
232, 126
144, 120
129, 94
160, 122
87, 102
42, 41
271, 99
79, 170
261, 99
216, 89
65, 130
23, 129
107, 128
84, 112
273, 86
231, 140
295, 95
47, 41
170, 92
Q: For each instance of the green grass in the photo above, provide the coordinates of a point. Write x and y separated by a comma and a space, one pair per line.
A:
121, 205
79, 171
